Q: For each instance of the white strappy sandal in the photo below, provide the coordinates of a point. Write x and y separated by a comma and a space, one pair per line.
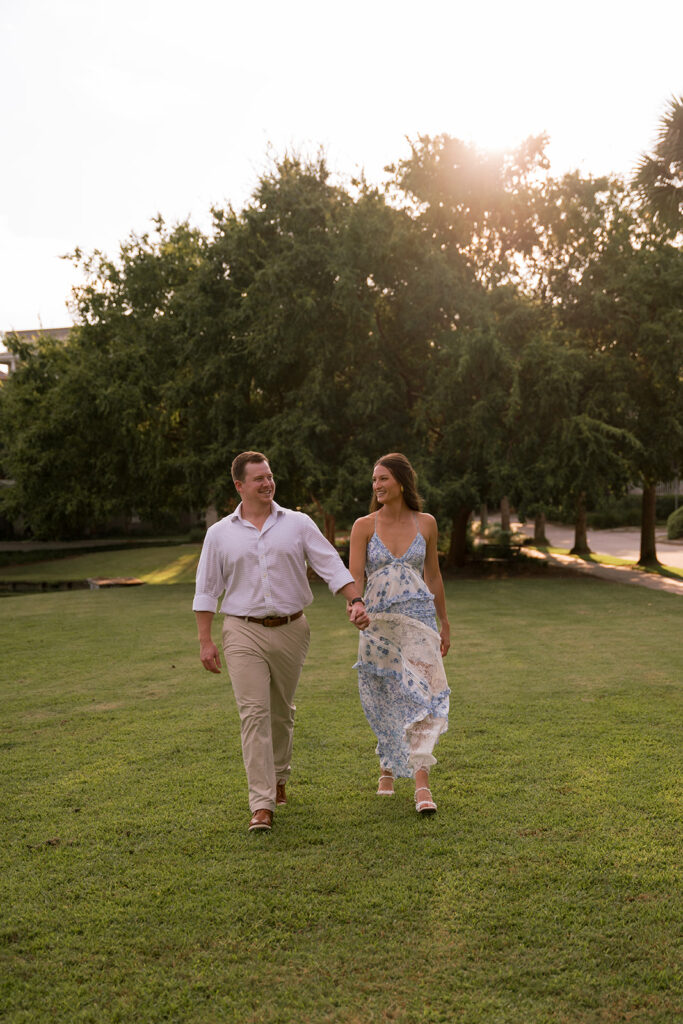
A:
425, 806
386, 792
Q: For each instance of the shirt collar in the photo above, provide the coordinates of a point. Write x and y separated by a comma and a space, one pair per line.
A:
275, 510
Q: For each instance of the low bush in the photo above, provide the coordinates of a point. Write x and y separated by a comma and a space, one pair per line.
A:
674, 524
627, 511
666, 504
493, 542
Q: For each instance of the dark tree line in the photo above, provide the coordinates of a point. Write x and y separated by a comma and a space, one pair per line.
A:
516, 335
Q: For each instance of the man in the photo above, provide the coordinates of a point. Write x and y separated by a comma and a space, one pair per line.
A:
256, 557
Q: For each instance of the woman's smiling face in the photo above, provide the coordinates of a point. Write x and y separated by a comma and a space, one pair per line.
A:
385, 485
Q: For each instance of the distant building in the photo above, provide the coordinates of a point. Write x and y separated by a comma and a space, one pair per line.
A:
662, 489
9, 361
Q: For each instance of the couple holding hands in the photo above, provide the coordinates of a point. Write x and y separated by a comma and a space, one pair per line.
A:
257, 557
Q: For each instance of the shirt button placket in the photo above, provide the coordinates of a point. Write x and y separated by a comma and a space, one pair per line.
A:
263, 566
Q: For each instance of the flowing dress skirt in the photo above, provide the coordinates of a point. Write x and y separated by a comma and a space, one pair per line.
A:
401, 678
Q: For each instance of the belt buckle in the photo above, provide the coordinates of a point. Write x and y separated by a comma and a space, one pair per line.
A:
271, 620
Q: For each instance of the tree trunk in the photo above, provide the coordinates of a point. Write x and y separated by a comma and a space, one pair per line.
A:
539, 530
329, 521
505, 514
330, 527
580, 528
484, 516
648, 547
457, 551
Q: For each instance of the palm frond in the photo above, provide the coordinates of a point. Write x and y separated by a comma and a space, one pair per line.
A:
658, 176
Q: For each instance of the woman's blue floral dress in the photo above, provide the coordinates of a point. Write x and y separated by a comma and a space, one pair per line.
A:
401, 678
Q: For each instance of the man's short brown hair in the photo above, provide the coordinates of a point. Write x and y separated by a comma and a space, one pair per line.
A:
240, 463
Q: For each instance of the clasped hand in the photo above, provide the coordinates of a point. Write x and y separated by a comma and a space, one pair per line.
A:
358, 615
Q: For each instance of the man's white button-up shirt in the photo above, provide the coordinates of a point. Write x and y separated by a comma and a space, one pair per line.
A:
263, 572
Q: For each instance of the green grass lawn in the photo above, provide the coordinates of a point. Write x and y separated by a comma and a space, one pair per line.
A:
546, 889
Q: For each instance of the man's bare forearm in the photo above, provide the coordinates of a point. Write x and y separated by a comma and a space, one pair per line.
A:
204, 623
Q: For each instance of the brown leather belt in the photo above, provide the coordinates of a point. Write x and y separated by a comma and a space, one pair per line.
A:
274, 620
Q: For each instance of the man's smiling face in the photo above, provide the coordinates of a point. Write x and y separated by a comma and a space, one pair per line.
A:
258, 486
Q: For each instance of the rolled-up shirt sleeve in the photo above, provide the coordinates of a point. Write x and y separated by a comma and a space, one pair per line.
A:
210, 582
324, 558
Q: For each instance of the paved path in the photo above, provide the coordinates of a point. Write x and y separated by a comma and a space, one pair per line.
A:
613, 573
622, 543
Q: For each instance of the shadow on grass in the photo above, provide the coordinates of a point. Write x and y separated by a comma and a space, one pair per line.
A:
661, 570
608, 560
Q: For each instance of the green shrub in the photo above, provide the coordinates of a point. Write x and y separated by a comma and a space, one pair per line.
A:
493, 543
624, 511
666, 504
674, 524
343, 546
627, 511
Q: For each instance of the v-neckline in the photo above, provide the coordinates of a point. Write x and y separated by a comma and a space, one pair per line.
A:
397, 558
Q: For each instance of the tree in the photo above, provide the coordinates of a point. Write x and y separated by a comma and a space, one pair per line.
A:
629, 307
465, 407
614, 288
91, 428
303, 325
340, 297
49, 435
297, 316
481, 325
475, 209
563, 450
133, 331
61, 454
476, 206
659, 176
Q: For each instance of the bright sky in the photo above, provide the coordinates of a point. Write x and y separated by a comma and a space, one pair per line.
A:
113, 111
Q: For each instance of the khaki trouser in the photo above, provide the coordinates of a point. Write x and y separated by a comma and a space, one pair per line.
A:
264, 664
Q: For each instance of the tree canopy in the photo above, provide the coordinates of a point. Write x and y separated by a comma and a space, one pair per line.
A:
514, 334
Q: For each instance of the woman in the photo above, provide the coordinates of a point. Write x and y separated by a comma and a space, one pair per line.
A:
401, 678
